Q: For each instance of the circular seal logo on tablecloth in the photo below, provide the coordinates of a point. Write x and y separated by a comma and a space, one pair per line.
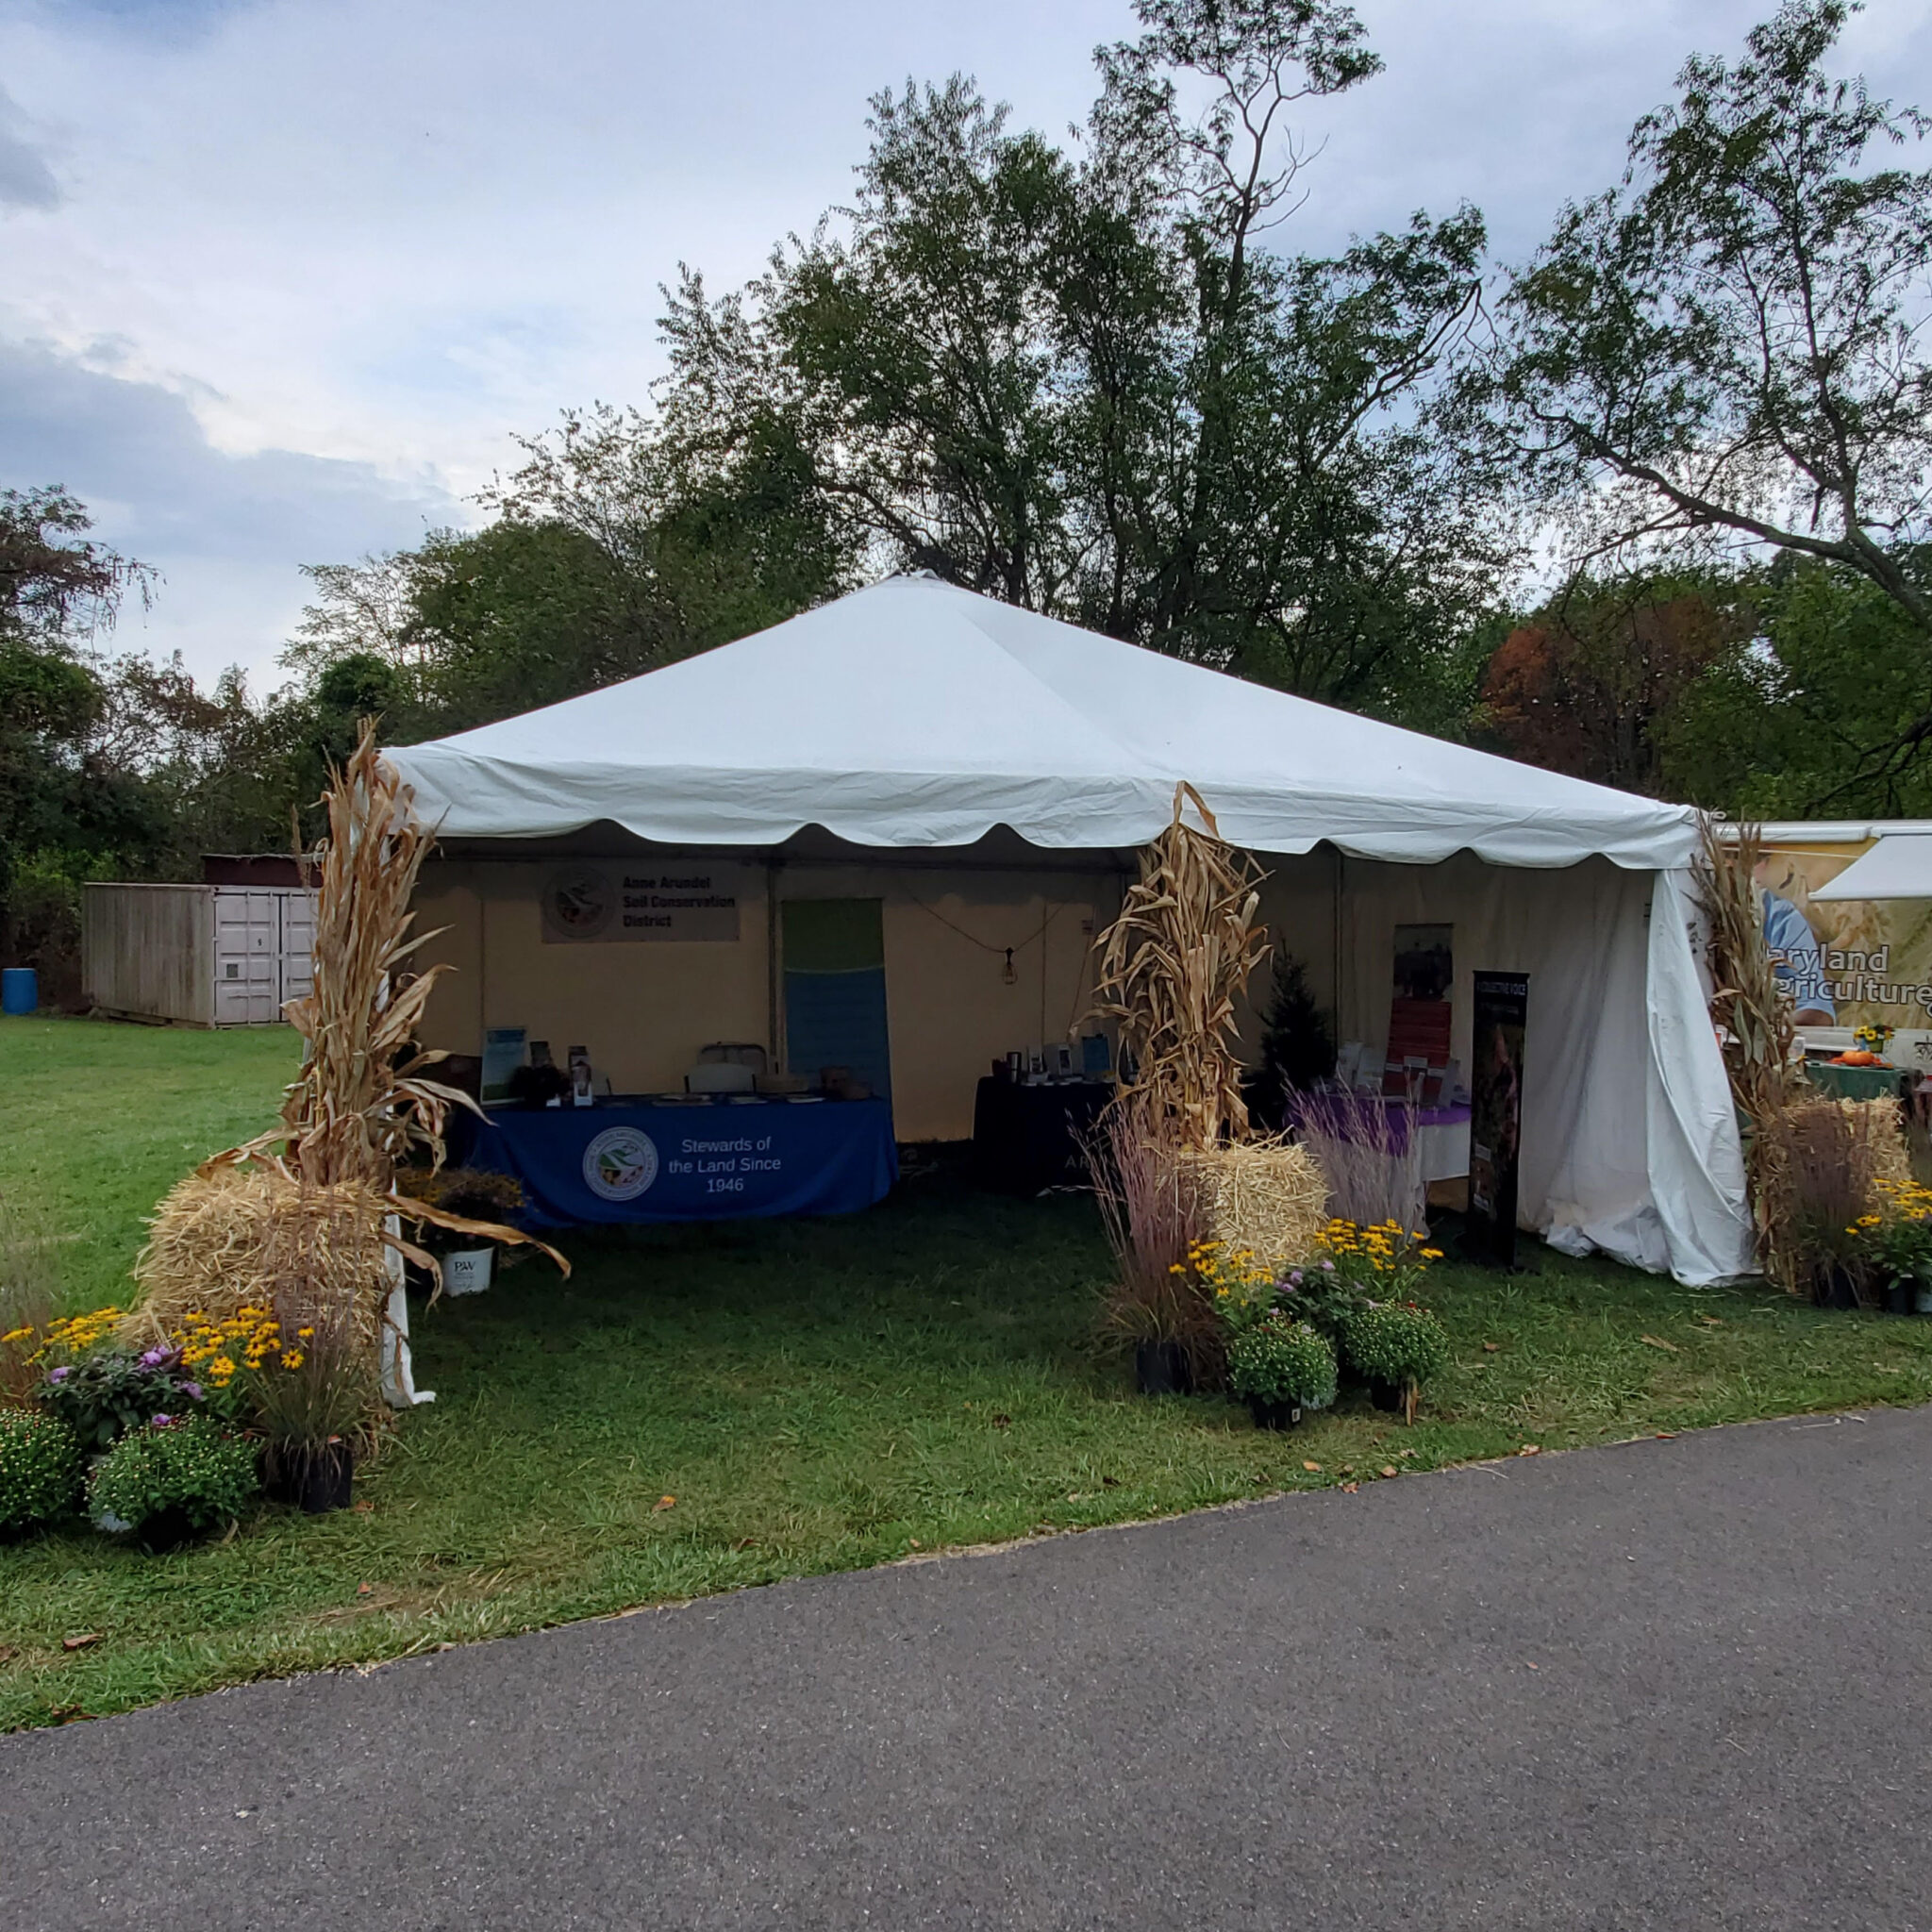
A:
620, 1164
579, 903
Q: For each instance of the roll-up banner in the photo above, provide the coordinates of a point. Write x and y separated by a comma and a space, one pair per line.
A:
1500, 1012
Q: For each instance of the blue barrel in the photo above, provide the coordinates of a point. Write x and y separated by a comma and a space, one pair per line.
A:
20, 989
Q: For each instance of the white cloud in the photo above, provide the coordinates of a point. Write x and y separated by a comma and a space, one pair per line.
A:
378, 237
26, 180
227, 531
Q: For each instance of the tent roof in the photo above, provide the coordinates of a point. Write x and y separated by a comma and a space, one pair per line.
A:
915, 714
1899, 866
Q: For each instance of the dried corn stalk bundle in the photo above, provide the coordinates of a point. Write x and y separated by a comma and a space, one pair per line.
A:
363, 1100
1266, 1197
306, 1219
1752, 1013
1172, 967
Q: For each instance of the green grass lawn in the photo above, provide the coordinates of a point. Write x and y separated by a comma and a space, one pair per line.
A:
814, 1395
97, 1121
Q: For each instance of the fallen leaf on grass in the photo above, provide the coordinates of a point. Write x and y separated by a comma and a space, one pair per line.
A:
1347, 1469
80, 1643
663, 1503
1315, 1468
1349, 1488
365, 1590
1657, 1341
746, 1542
8, 1653
364, 1509
1389, 1469
1492, 1347
1531, 1449
1404, 1452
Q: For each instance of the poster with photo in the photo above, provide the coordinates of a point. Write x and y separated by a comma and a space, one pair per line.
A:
1500, 1012
1420, 1014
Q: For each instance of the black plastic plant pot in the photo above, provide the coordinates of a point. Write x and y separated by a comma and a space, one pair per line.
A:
165, 1530
1902, 1296
1840, 1291
1160, 1368
328, 1480
1386, 1395
315, 1484
1275, 1415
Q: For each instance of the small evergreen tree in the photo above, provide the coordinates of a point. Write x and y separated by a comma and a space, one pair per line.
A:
1297, 1044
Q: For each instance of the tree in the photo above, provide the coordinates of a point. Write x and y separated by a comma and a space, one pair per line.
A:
1728, 345
66, 808
57, 587
1084, 384
925, 345
1593, 685
1780, 726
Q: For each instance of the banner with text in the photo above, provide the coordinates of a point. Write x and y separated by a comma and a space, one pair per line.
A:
621, 902
1850, 962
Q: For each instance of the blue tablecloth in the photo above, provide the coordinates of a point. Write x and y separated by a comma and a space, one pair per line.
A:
637, 1161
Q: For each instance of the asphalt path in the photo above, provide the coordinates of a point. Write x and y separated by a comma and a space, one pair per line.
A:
1678, 1684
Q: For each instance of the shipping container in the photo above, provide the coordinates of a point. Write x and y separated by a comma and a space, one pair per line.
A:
203, 956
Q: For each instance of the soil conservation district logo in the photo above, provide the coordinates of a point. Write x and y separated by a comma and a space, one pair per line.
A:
620, 1164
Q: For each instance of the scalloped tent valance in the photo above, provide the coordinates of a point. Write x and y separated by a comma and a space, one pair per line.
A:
912, 714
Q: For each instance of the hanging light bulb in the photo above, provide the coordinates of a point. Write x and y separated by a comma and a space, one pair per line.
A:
1007, 973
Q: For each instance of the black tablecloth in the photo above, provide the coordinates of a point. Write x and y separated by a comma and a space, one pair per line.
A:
1024, 1136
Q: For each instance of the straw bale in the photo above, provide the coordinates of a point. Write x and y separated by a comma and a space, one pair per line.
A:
1267, 1196
1880, 1124
229, 1237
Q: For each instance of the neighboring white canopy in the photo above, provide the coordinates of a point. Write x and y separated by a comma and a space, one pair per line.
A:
1898, 866
914, 714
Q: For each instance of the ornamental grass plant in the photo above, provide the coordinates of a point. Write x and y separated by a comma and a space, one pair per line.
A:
30, 1295
309, 1401
1370, 1151
1824, 1164
1148, 1212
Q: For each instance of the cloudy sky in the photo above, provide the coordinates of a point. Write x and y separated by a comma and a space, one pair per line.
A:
279, 280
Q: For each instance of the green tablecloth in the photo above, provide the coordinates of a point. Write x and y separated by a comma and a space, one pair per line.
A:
1853, 1083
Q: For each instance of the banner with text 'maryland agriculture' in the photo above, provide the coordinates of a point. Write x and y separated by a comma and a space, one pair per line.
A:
1851, 962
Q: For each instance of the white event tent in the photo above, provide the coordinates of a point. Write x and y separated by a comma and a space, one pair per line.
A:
921, 722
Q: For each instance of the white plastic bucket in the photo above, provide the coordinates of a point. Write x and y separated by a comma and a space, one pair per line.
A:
467, 1272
